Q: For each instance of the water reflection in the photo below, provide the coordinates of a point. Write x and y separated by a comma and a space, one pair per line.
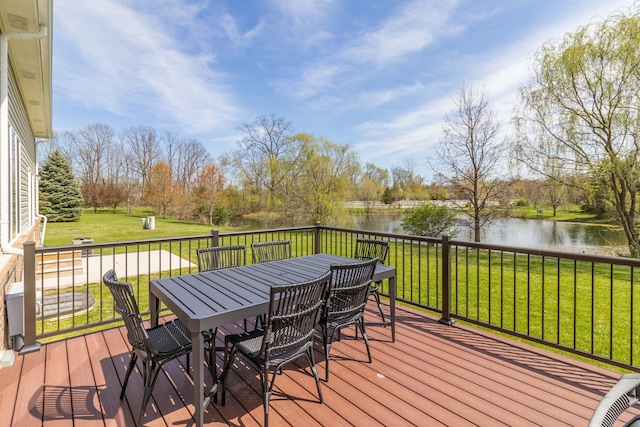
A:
518, 232
530, 233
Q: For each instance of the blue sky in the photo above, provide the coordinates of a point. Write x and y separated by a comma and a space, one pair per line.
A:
377, 75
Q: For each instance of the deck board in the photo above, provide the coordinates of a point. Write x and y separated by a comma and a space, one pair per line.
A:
433, 375
56, 395
115, 414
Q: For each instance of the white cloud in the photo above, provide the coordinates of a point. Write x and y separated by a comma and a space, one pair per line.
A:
385, 96
410, 29
312, 81
304, 20
125, 61
414, 27
412, 134
228, 25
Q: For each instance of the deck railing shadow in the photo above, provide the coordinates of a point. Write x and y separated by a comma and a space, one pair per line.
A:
515, 356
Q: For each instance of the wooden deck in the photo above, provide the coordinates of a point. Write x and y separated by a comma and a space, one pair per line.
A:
432, 375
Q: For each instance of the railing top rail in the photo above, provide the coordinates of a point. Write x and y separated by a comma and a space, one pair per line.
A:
381, 234
85, 246
634, 262
269, 230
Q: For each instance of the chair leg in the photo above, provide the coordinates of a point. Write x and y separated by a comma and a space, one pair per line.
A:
132, 362
376, 294
312, 363
328, 340
260, 319
211, 360
228, 360
148, 368
266, 392
360, 324
151, 375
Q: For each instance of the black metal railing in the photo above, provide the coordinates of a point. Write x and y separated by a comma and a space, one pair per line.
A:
576, 302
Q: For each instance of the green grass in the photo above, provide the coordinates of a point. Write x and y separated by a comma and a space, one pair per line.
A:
106, 226
569, 214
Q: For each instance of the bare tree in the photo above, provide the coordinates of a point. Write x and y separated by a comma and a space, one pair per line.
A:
191, 158
470, 157
160, 191
90, 151
266, 157
186, 157
143, 149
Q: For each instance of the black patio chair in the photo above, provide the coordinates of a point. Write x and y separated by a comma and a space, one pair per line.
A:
153, 346
367, 249
288, 334
271, 251
215, 258
218, 257
345, 302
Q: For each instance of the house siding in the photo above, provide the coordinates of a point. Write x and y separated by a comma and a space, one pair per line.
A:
10, 264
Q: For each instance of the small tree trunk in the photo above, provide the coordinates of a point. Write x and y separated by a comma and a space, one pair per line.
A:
476, 229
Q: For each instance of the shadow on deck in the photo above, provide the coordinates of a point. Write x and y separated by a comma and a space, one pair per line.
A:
432, 375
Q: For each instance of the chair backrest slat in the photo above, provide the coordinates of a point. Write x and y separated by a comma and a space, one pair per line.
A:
271, 251
370, 248
126, 305
293, 313
218, 257
349, 288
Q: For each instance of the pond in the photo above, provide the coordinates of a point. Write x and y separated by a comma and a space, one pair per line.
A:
528, 233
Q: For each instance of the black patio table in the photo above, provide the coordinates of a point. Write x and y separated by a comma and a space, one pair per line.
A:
210, 299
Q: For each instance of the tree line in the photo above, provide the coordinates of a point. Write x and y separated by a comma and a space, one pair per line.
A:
272, 169
140, 166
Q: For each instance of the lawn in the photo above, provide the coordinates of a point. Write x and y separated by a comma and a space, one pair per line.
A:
106, 226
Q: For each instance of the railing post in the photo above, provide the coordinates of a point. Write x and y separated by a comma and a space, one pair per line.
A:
215, 236
317, 247
446, 282
29, 282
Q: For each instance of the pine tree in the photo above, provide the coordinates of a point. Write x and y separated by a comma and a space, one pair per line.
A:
60, 197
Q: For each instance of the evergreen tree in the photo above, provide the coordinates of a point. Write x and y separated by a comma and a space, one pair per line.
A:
60, 197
